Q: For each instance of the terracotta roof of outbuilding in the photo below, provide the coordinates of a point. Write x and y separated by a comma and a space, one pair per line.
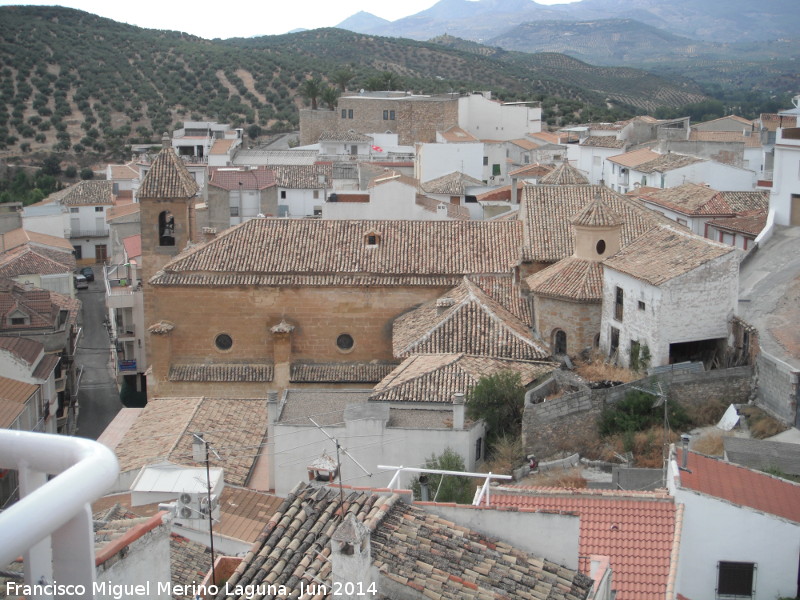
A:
455, 134
320, 252
689, 198
634, 158
409, 546
122, 210
750, 141
665, 253
390, 176
507, 293
222, 146
234, 372
18, 237
436, 377
343, 136
163, 431
547, 211
743, 202
570, 279
247, 179
454, 184
534, 170
189, 562
524, 143
46, 366
603, 141
88, 193
636, 530
772, 121
465, 319
564, 174
303, 177
668, 162
13, 396
31, 260
454, 211
751, 224
120, 172
168, 177
23, 348
739, 485
41, 306
339, 372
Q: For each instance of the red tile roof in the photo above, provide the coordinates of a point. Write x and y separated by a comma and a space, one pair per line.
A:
133, 246
248, 179
636, 530
740, 485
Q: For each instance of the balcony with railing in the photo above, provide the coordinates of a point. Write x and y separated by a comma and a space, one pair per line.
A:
87, 232
51, 524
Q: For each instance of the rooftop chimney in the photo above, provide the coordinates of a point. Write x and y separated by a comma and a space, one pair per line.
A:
685, 452
351, 560
442, 304
198, 447
458, 411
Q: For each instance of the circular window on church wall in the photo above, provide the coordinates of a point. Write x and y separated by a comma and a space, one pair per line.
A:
223, 342
601, 246
345, 342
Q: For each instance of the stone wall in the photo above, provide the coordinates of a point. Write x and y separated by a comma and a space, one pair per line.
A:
777, 388
579, 320
568, 422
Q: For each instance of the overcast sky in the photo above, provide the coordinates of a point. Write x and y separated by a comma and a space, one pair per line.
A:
242, 18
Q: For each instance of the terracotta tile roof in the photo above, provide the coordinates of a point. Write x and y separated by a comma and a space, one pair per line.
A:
524, 143
133, 246
547, 211
749, 224
546, 137
343, 136
389, 176
454, 184
465, 319
436, 377
507, 293
87, 193
668, 162
168, 177
371, 372
726, 137
501, 194
189, 562
665, 253
635, 158
238, 372
46, 366
409, 546
603, 141
37, 304
772, 121
689, 198
19, 237
13, 396
740, 485
454, 211
635, 530
30, 260
120, 172
247, 179
164, 429
533, 170
564, 174
727, 118
67, 303
113, 524
743, 202
322, 251
597, 214
303, 177
122, 210
571, 279
455, 135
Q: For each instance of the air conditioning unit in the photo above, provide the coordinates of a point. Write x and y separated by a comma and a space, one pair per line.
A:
184, 508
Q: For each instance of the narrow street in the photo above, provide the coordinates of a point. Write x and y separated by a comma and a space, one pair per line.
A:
98, 398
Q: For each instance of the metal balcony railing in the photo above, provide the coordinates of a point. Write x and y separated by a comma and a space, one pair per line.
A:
51, 524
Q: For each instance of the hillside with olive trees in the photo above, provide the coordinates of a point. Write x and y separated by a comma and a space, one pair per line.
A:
75, 83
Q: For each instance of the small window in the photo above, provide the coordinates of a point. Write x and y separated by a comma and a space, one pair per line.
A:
495, 170
391, 115
612, 350
350, 113
18, 320
283, 194
78, 251
485, 161
223, 341
316, 194
166, 229
372, 240
98, 209
345, 342
234, 211
344, 113
73, 209
601, 247
641, 305
682, 221
735, 579
618, 300
386, 115
478, 448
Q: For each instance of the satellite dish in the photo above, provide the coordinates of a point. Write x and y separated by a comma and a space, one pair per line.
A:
186, 498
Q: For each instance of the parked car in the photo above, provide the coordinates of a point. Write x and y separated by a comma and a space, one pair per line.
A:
81, 283
88, 273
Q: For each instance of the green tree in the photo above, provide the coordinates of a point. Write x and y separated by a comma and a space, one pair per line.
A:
446, 488
71, 172
87, 173
639, 411
499, 400
253, 131
51, 165
330, 97
342, 78
311, 89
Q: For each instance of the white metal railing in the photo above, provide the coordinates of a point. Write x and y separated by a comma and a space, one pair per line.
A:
51, 524
480, 493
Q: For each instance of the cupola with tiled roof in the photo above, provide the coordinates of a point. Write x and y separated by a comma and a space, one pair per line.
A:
597, 231
564, 174
168, 177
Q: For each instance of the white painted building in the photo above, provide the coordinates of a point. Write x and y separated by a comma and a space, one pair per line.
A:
785, 196
435, 160
488, 119
373, 433
741, 530
670, 291
47, 218
591, 154
495, 163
